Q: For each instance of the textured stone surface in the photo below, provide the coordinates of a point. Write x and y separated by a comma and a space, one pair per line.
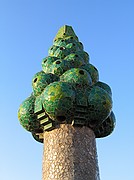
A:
70, 154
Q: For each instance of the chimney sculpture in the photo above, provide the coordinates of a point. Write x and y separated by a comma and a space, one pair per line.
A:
68, 108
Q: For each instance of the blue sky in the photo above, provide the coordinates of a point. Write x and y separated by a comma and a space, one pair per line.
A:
27, 29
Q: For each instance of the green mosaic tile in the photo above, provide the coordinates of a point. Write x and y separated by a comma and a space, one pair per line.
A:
41, 80
107, 127
37, 138
59, 67
73, 47
105, 87
92, 70
67, 90
27, 117
77, 76
74, 60
59, 52
38, 108
65, 32
100, 105
67, 41
47, 62
58, 98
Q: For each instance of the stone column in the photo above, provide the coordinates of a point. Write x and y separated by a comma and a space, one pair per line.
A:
70, 154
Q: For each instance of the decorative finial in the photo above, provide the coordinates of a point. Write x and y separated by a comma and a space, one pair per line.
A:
67, 90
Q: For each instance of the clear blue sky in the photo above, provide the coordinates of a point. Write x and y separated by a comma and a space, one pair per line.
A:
27, 29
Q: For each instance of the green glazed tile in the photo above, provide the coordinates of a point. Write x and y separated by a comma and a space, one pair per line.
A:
67, 90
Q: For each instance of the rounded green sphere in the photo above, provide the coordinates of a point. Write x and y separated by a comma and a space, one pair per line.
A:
84, 55
36, 137
58, 101
59, 52
99, 106
75, 60
73, 47
64, 42
105, 87
92, 71
77, 76
52, 50
41, 80
59, 67
27, 117
106, 128
47, 62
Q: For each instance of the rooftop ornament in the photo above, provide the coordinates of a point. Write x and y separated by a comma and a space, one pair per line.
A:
67, 91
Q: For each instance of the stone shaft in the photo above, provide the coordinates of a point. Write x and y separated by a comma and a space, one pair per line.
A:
70, 154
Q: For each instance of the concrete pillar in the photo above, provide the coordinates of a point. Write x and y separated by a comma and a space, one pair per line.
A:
70, 154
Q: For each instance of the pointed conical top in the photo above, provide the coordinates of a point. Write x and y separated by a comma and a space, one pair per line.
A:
64, 32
